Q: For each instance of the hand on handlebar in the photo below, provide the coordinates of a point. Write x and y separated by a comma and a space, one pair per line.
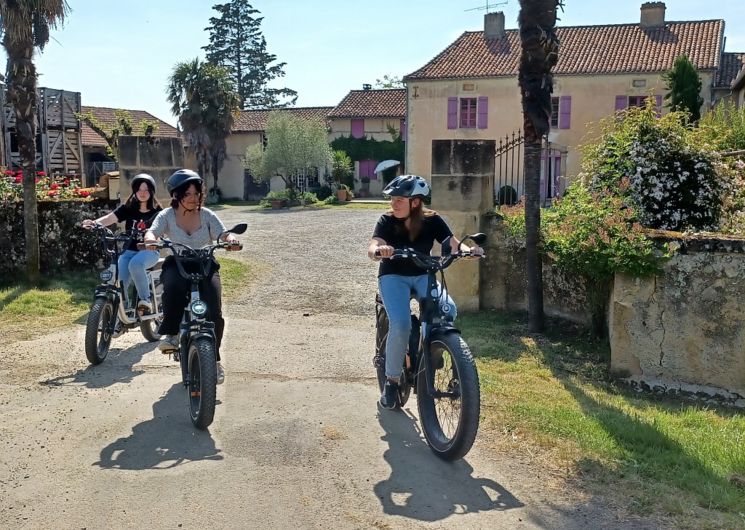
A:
383, 251
233, 246
88, 224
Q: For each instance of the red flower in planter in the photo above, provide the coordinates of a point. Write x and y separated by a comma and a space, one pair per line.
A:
18, 179
52, 193
84, 193
9, 172
54, 186
66, 182
41, 174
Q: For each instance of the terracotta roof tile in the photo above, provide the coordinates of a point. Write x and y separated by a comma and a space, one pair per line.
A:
379, 103
107, 117
255, 120
606, 49
731, 65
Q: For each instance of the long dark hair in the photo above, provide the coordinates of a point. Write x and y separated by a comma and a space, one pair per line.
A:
179, 193
152, 203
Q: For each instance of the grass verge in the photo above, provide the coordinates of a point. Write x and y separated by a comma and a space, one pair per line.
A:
550, 397
59, 302
26, 313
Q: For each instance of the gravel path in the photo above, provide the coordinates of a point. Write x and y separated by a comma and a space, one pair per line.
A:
297, 442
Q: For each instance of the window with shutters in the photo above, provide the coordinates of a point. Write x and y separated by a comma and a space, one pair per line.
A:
468, 113
554, 112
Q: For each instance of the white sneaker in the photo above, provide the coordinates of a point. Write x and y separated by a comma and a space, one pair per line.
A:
144, 306
168, 344
220, 373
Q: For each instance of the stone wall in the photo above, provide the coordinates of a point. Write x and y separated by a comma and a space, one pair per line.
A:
504, 282
158, 157
682, 332
686, 326
63, 243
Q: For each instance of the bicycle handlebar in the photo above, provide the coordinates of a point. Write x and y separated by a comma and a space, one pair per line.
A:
427, 261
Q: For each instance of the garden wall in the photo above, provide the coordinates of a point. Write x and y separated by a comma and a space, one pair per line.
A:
63, 243
156, 156
680, 332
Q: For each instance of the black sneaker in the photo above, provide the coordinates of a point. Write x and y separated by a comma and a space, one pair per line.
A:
389, 397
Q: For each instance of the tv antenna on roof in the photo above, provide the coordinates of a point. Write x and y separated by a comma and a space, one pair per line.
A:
487, 6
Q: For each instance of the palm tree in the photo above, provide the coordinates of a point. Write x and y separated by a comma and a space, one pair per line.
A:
205, 101
540, 51
25, 25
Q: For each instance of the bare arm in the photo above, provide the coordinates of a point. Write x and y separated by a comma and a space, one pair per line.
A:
377, 244
106, 220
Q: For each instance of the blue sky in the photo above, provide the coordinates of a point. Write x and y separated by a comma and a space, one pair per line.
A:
119, 54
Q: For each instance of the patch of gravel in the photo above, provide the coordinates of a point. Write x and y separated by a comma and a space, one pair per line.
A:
308, 260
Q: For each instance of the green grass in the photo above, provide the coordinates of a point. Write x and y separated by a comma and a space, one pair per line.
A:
234, 275
58, 302
65, 300
550, 396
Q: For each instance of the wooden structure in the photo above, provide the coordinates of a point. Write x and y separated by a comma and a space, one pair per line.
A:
58, 142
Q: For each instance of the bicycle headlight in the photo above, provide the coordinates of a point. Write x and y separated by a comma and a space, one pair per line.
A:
106, 275
198, 308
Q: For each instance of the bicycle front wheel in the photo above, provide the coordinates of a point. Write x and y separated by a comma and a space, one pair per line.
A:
450, 421
202, 382
98, 329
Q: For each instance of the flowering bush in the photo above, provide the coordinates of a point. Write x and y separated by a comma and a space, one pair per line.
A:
652, 163
47, 188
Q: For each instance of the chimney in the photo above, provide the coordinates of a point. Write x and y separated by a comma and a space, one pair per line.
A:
653, 15
494, 25
366, 86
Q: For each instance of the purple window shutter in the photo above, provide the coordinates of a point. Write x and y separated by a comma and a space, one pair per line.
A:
622, 102
482, 109
658, 105
358, 128
403, 130
565, 111
452, 113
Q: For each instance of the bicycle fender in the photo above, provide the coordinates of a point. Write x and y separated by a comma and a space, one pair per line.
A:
442, 330
104, 291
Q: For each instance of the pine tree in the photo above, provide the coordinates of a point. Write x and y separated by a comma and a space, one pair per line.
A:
237, 44
684, 85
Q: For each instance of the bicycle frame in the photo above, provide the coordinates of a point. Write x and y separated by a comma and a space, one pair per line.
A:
115, 291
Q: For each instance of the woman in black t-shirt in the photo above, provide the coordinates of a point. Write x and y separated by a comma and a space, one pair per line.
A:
137, 213
408, 224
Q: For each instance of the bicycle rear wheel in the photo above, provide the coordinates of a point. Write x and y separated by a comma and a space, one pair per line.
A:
202, 382
450, 422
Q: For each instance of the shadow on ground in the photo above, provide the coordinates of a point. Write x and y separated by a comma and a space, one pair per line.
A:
422, 486
165, 441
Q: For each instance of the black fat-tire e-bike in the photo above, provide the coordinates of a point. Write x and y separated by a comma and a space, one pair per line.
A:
111, 314
197, 342
438, 365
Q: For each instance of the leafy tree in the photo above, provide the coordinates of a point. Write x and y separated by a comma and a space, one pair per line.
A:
123, 126
237, 44
25, 25
389, 81
684, 85
294, 146
540, 51
205, 100
341, 168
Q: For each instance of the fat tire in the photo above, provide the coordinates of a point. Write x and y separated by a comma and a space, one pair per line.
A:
149, 329
201, 357
97, 330
470, 407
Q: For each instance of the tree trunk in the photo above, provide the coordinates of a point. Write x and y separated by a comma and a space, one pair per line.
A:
215, 168
539, 54
22, 96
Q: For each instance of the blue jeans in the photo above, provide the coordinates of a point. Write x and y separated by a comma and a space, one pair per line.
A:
396, 292
134, 264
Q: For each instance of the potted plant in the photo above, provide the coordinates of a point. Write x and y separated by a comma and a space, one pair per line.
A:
344, 193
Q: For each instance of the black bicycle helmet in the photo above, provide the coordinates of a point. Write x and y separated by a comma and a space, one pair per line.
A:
407, 186
181, 177
139, 179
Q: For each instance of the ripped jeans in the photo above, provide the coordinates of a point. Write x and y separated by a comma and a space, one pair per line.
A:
396, 292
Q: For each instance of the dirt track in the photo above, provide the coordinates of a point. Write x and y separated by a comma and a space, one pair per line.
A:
298, 441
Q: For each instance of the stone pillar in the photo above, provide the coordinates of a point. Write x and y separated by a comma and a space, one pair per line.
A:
462, 192
158, 157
